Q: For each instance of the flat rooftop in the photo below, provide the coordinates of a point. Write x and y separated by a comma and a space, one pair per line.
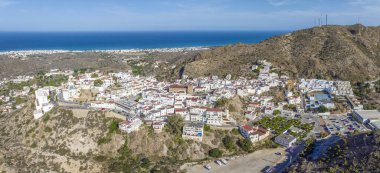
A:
369, 114
376, 124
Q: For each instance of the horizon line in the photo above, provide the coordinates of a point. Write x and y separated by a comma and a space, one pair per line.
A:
169, 30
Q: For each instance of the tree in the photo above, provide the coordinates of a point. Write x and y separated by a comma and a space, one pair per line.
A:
114, 126
94, 75
229, 143
235, 132
215, 152
221, 102
145, 163
245, 145
98, 82
322, 109
19, 100
276, 112
290, 107
174, 125
206, 128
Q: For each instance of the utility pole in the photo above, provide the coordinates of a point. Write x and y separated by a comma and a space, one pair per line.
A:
326, 19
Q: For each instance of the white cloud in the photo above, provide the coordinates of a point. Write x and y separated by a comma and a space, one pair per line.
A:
277, 2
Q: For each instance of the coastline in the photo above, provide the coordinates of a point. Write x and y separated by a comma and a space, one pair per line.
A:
118, 51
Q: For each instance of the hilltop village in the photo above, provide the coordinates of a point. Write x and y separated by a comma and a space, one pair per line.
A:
307, 108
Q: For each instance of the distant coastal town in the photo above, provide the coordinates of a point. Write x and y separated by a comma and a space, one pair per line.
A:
25, 53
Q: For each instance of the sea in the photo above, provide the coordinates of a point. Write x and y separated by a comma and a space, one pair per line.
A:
83, 41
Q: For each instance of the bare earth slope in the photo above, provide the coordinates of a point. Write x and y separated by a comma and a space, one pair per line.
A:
343, 52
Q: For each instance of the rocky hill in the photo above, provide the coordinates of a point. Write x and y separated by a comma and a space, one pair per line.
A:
330, 52
357, 153
76, 140
61, 141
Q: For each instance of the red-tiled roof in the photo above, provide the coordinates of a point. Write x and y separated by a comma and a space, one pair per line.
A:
177, 86
247, 127
180, 110
126, 122
214, 110
253, 104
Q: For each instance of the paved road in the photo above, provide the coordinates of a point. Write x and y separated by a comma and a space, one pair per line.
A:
292, 155
251, 163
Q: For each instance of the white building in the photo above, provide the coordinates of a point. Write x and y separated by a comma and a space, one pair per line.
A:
254, 134
366, 116
193, 131
285, 140
103, 105
131, 125
42, 102
158, 126
214, 116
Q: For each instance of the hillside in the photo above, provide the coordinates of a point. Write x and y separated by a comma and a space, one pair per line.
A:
75, 140
357, 153
62, 141
330, 52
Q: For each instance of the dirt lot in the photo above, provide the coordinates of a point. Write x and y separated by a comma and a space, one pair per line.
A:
250, 163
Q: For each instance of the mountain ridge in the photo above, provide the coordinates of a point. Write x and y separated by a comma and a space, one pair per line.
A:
330, 52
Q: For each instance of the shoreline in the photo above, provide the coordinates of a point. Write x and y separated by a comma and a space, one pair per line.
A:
120, 51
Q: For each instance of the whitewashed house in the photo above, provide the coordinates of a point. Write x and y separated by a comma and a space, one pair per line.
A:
131, 125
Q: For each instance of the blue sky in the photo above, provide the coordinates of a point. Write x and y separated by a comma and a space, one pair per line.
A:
123, 15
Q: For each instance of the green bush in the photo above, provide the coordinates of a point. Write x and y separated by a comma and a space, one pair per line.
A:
235, 132
98, 82
46, 118
245, 144
174, 125
113, 127
276, 112
206, 128
322, 109
145, 163
55, 80
100, 158
215, 152
103, 140
221, 102
19, 100
94, 75
48, 129
229, 143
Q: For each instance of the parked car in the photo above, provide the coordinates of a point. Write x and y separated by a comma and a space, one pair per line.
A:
270, 169
208, 167
218, 162
224, 161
